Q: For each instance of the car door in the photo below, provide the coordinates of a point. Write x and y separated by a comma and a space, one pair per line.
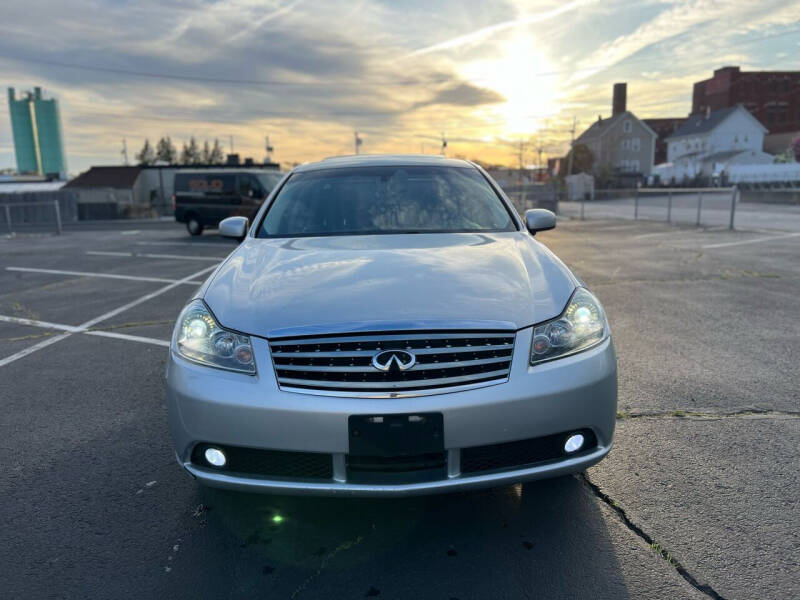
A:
251, 194
221, 197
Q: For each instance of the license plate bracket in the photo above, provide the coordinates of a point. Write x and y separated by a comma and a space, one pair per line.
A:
410, 434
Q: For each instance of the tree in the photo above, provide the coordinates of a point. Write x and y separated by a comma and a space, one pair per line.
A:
190, 155
582, 159
206, 154
166, 152
217, 157
146, 156
796, 148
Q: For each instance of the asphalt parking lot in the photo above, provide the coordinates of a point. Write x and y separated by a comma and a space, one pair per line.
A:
699, 498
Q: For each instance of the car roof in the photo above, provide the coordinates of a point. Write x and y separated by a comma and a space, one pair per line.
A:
384, 160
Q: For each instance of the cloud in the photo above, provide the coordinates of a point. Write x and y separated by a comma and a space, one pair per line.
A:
479, 35
720, 20
462, 94
307, 74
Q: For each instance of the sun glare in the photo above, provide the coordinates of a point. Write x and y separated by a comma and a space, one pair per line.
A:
529, 98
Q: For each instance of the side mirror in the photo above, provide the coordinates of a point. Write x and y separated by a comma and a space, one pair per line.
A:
234, 227
539, 219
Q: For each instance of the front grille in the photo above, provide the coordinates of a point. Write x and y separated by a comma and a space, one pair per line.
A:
513, 455
270, 463
344, 363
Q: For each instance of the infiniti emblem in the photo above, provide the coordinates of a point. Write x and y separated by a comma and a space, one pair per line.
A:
400, 359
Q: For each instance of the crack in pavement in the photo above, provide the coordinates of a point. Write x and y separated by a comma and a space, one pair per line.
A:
701, 415
725, 276
656, 546
330, 555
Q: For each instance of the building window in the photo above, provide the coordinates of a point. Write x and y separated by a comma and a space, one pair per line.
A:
635, 144
635, 166
736, 139
785, 85
627, 126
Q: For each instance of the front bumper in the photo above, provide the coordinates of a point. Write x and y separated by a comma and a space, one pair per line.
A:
220, 407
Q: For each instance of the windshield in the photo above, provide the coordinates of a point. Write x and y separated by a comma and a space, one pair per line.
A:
269, 180
388, 199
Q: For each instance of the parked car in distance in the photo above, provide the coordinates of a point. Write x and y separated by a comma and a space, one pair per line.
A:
390, 326
203, 198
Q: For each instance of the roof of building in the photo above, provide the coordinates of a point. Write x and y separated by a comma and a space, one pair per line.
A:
723, 156
19, 187
601, 126
381, 160
701, 123
106, 177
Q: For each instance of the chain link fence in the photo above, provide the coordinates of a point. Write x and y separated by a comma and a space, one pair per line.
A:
708, 207
36, 211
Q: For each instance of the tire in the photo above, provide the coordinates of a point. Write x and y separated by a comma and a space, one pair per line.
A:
193, 226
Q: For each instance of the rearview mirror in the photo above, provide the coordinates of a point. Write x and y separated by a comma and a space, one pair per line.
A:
234, 227
539, 219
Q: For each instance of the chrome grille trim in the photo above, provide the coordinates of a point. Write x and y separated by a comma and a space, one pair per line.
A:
371, 353
340, 365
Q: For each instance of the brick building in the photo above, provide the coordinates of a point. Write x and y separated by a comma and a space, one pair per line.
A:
773, 97
664, 127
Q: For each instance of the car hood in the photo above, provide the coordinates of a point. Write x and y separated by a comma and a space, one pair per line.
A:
291, 286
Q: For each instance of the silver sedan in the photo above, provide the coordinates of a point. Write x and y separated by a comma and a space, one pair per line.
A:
389, 326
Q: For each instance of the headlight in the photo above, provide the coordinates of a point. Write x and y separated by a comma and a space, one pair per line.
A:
582, 325
199, 338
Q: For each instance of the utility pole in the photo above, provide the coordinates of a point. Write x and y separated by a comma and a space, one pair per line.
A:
357, 141
124, 152
444, 144
269, 149
230, 135
571, 146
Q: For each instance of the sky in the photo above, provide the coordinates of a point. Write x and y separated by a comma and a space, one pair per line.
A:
500, 80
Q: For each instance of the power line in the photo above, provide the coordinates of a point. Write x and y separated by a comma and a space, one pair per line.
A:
360, 81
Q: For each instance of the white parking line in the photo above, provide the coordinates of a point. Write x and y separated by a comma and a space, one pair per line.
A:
145, 255
76, 329
107, 275
655, 234
131, 338
36, 323
145, 298
84, 326
185, 244
31, 349
754, 241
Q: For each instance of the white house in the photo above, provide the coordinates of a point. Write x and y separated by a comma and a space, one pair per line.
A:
708, 144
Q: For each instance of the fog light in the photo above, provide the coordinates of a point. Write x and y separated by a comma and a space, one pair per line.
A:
215, 457
574, 443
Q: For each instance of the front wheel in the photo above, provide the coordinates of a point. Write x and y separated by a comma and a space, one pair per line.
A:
193, 226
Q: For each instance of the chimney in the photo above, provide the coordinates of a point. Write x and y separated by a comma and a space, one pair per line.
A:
620, 103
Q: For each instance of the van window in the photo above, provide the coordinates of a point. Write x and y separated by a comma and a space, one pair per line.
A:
247, 184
